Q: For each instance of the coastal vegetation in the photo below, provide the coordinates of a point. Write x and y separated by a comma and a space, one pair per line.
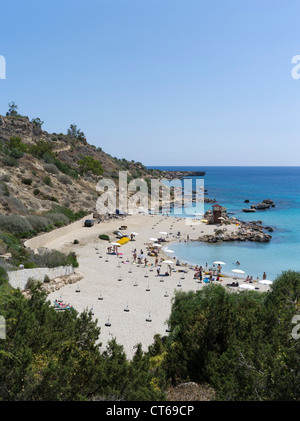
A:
239, 344
54, 356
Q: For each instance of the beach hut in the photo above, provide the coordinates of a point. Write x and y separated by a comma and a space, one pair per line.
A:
217, 213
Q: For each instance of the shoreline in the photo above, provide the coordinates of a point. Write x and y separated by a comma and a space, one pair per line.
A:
123, 283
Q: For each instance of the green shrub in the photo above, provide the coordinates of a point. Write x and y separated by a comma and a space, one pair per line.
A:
30, 265
3, 276
88, 163
16, 153
16, 143
47, 180
64, 179
27, 181
76, 242
72, 216
36, 192
53, 258
4, 189
9, 161
104, 237
39, 223
57, 219
5, 178
40, 148
51, 168
16, 225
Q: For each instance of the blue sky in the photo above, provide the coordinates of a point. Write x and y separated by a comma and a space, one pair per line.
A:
164, 82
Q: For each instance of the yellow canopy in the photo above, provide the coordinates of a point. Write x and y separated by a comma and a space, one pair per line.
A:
123, 240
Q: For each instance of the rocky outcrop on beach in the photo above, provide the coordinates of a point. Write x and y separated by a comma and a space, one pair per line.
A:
260, 237
57, 283
247, 231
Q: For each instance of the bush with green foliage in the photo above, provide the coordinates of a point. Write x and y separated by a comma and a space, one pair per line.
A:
104, 237
40, 148
51, 168
40, 223
16, 225
240, 344
57, 219
4, 190
27, 181
64, 179
72, 216
3, 276
55, 356
9, 161
5, 178
88, 163
52, 258
47, 180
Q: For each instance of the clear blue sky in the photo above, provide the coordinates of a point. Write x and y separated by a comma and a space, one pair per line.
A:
164, 82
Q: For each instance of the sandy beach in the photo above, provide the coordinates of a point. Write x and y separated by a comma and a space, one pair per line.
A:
124, 285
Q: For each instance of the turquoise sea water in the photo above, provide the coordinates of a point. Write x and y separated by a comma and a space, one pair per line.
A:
230, 186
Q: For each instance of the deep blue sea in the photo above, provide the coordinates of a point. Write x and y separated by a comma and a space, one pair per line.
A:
230, 186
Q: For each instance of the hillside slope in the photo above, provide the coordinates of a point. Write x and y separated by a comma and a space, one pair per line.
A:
40, 169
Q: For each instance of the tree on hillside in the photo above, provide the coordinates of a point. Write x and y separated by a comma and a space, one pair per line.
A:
12, 111
77, 133
37, 122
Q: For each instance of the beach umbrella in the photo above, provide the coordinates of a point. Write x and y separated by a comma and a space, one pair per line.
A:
237, 271
163, 233
169, 251
142, 256
169, 262
246, 286
219, 263
153, 239
115, 244
265, 282
157, 245
221, 217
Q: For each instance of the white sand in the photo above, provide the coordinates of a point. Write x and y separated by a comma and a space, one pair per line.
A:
101, 277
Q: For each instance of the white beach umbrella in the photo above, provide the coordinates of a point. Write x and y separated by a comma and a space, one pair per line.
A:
221, 217
237, 271
219, 263
157, 245
142, 256
169, 251
163, 233
246, 286
169, 262
153, 239
265, 282
115, 244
